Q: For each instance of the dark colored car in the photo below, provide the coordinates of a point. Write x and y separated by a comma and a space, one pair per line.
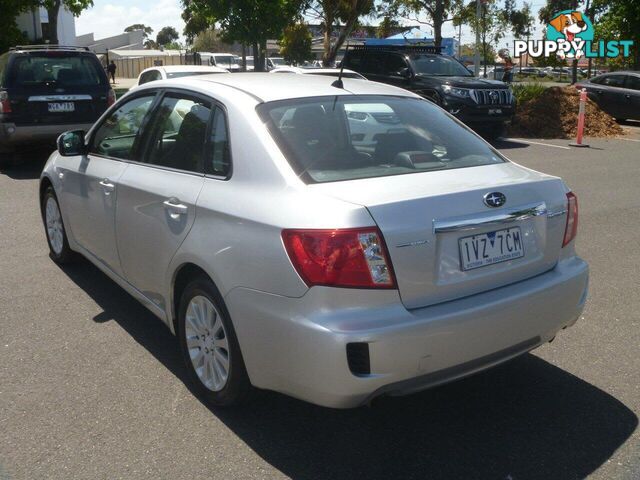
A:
616, 93
46, 90
485, 105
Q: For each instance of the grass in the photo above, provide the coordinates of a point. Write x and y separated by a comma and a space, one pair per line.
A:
527, 91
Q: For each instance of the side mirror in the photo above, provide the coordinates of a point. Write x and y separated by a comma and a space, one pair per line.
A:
72, 143
404, 72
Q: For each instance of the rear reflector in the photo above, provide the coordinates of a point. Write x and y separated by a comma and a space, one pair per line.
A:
5, 105
354, 257
571, 229
111, 97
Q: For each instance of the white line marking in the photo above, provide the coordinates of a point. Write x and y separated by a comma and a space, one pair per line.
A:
628, 139
535, 143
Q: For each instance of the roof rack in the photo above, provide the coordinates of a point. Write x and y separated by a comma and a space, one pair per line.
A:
49, 47
403, 48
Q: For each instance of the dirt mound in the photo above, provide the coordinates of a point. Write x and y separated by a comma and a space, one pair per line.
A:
554, 114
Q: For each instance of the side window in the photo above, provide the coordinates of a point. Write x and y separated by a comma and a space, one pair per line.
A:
354, 61
395, 63
150, 76
374, 63
219, 158
613, 80
632, 82
178, 133
117, 135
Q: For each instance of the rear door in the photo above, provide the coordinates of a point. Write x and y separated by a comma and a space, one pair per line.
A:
57, 87
609, 94
157, 196
89, 184
632, 95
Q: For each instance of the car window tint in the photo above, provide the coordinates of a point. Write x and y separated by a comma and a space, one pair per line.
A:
395, 63
56, 71
354, 61
150, 76
117, 135
178, 133
219, 159
632, 82
613, 80
336, 138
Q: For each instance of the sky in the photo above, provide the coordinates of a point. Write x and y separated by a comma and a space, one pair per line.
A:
111, 17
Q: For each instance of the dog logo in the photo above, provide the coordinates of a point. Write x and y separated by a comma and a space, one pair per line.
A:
572, 27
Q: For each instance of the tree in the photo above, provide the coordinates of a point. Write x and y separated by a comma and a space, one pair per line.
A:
438, 11
53, 9
491, 25
387, 27
167, 35
295, 45
250, 22
209, 41
10, 35
619, 20
146, 31
330, 13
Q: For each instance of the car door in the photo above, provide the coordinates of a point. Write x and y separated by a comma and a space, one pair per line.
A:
157, 196
632, 97
397, 70
609, 94
89, 183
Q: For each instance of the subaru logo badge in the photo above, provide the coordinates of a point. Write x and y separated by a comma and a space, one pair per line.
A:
495, 199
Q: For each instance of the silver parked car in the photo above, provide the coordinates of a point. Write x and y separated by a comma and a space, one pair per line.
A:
288, 253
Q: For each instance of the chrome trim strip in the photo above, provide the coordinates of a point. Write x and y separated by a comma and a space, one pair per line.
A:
505, 216
556, 214
58, 98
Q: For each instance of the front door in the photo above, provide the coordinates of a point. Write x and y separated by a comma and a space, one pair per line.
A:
157, 197
90, 182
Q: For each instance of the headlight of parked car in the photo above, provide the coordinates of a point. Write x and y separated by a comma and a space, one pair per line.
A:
457, 92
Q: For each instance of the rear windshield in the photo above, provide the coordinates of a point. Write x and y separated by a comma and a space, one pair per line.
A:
56, 70
226, 61
328, 139
188, 74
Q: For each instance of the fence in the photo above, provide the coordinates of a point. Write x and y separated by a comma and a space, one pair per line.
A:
130, 67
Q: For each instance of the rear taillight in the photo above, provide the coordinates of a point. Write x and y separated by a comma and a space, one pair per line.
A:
572, 218
111, 97
354, 257
5, 104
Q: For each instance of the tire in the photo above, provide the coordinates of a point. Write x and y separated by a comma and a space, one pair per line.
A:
55, 232
207, 338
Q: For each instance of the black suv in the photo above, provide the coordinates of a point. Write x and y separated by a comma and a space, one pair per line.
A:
485, 105
46, 90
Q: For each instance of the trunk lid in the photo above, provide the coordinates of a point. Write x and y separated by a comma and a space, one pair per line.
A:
423, 217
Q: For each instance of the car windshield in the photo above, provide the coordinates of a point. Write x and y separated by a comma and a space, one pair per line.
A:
278, 61
439, 65
327, 139
56, 70
226, 61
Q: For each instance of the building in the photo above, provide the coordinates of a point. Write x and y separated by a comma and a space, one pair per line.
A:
416, 36
35, 25
124, 41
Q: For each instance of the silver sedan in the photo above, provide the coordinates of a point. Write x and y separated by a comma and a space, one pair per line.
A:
333, 243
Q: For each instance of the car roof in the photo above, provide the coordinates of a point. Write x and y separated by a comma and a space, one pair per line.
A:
189, 68
308, 70
265, 87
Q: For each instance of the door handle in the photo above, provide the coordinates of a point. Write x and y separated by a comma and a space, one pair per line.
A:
107, 186
627, 96
599, 92
174, 207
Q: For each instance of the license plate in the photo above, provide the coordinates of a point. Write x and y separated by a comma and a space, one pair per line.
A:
62, 107
488, 248
495, 111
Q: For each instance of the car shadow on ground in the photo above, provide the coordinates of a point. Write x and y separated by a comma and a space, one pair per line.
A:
526, 419
28, 167
505, 144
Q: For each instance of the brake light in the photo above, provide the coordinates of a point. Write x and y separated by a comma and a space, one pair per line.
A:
5, 104
111, 97
571, 229
354, 257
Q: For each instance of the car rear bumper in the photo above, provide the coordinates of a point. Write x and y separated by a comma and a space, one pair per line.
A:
298, 346
12, 135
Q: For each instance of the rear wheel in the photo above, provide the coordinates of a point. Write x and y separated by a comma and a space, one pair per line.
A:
59, 250
209, 345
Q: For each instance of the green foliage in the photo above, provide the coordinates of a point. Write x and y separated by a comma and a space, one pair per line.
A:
619, 20
166, 36
209, 41
527, 91
295, 44
250, 22
146, 31
492, 25
438, 11
387, 27
10, 35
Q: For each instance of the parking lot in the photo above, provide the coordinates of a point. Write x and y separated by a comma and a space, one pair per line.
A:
92, 385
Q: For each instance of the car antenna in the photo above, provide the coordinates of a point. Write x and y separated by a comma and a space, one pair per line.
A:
338, 83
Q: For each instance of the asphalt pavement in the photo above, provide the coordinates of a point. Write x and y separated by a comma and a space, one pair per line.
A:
92, 384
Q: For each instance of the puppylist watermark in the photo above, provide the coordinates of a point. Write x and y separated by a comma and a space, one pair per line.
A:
570, 34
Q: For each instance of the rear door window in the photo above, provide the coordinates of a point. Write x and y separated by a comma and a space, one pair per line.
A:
632, 82
613, 81
56, 70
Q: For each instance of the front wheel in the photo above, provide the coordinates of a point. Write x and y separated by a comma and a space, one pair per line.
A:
209, 345
59, 250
